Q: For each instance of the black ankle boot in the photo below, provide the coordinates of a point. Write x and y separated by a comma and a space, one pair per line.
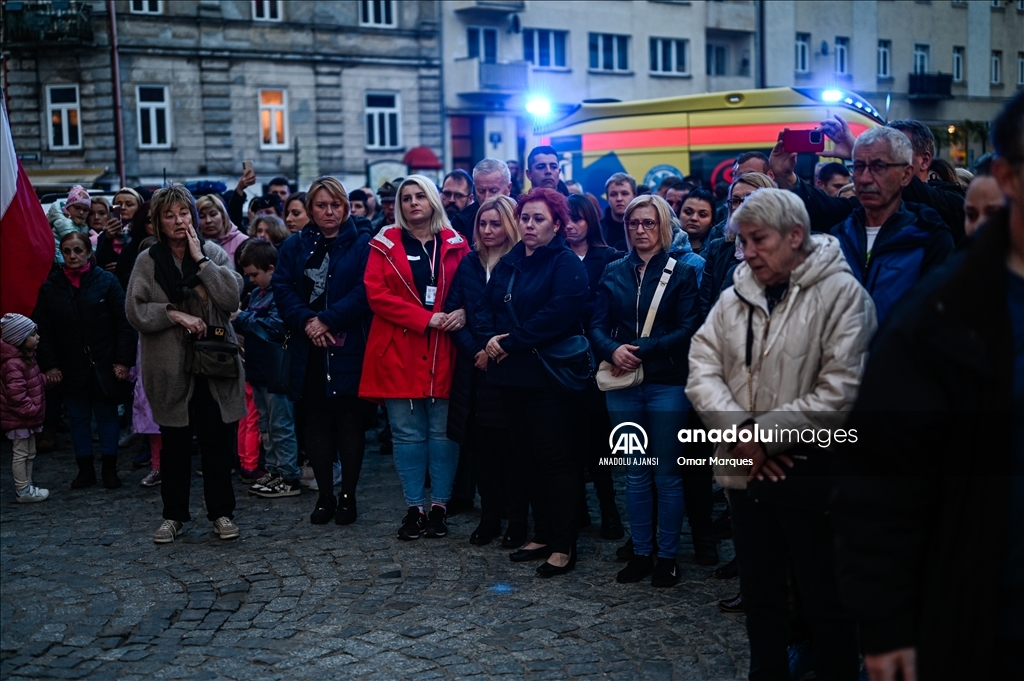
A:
109, 473
86, 473
611, 522
346, 514
485, 532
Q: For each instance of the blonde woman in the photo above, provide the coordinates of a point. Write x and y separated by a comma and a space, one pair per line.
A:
476, 418
215, 225
410, 357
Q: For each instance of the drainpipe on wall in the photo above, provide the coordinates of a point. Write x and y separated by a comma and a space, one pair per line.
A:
115, 76
762, 71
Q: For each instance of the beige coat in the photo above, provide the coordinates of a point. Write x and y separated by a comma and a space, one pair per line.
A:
807, 362
168, 387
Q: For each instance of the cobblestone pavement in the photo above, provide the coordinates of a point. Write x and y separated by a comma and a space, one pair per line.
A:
87, 594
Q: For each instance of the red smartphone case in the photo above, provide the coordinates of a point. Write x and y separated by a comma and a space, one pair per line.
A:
803, 141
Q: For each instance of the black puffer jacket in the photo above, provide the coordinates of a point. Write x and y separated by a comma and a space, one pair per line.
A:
90, 316
549, 294
471, 398
620, 314
720, 258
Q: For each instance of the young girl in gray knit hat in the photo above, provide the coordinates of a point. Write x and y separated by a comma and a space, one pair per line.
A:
22, 399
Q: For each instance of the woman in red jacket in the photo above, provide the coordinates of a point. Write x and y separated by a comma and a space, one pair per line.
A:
410, 358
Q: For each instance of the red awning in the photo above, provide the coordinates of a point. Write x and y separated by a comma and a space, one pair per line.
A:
422, 157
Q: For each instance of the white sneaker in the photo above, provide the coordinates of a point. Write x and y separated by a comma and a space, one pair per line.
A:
264, 484
32, 494
307, 479
168, 531
225, 528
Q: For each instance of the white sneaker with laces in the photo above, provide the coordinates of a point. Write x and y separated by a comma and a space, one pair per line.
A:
168, 531
32, 494
225, 528
264, 484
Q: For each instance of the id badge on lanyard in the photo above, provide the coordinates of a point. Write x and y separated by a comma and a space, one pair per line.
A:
430, 296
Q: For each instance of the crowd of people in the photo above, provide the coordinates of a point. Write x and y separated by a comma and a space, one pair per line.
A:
503, 333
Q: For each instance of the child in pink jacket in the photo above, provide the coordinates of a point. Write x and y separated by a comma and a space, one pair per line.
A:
22, 399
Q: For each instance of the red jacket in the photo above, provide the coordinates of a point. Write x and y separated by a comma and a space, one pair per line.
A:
403, 359
22, 390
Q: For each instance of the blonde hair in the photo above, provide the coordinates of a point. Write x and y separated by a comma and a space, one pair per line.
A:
165, 199
333, 187
506, 208
439, 220
211, 201
663, 211
776, 209
130, 192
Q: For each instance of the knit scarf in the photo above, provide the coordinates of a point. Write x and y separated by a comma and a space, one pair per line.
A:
177, 284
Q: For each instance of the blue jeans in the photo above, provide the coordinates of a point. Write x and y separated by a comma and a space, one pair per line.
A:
81, 409
661, 410
419, 432
277, 429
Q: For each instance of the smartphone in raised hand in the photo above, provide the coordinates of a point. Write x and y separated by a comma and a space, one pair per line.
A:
246, 167
803, 141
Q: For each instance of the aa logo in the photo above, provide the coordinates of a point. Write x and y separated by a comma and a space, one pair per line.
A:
628, 439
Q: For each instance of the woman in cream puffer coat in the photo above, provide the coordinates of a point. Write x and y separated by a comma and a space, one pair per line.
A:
784, 348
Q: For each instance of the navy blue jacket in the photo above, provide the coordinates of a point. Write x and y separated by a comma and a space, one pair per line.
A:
262, 325
346, 311
913, 241
620, 315
548, 296
596, 259
721, 259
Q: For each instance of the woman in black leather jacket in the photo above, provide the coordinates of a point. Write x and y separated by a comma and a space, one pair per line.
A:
658, 404
534, 299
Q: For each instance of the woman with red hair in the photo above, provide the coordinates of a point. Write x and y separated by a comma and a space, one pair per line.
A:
534, 300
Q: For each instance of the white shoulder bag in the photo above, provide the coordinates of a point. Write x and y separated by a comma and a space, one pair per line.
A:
605, 380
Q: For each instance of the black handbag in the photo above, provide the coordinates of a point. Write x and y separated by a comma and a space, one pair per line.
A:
214, 356
568, 362
279, 367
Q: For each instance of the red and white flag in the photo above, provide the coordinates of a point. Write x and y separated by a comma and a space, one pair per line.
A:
26, 241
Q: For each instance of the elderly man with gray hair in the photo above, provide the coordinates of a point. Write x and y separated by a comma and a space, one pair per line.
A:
491, 178
890, 243
783, 351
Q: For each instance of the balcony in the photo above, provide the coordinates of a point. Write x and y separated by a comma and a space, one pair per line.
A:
931, 85
475, 79
34, 24
488, 8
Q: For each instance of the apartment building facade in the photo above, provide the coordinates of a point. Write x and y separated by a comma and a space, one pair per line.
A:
301, 88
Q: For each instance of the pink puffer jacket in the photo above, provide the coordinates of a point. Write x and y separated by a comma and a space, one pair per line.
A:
22, 390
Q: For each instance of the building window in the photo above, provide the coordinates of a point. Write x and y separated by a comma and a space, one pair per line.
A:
803, 52
63, 112
670, 56
544, 48
379, 13
922, 58
609, 52
997, 4
483, 43
997, 67
1020, 5
958, 64
147, 7
842, 56
1020, 68
717, 57
273, 119
382, 129
266, 10
154, 116
884, 59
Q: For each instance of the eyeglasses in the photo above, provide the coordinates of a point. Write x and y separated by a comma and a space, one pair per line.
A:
458, 196
876, 167
648, 225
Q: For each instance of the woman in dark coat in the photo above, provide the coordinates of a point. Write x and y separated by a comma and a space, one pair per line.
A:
545, 283
88, 346
476, 415
318, 286
583, 234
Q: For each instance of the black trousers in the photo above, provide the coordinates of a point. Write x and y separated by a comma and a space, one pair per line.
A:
500, 478
215, 440
335, 424
766, 536
542, 435
697, 484
594, 436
